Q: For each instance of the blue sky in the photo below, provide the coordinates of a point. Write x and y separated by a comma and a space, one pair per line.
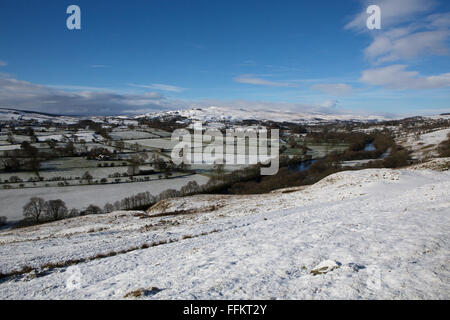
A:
146, 55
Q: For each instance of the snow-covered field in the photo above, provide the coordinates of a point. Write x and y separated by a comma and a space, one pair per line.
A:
369, 234
10, 147
154, 143
87, 136
126, 135
79, 197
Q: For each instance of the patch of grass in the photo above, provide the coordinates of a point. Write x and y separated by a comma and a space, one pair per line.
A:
142, 292
444, 147
318, 271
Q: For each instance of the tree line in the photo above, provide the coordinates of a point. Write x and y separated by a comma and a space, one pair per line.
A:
37, 210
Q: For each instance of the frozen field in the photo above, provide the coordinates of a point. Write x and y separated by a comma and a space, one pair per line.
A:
370, 234
12, 201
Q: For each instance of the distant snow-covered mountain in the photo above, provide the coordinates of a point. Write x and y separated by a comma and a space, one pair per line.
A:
16, 115
213, 114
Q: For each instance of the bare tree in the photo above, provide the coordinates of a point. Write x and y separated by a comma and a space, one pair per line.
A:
34, 208
92, 209
191, 188
120, 145
134, 162
117, 205
73, 213
10, 138
108, 208
87, 176
35, 166
55, 209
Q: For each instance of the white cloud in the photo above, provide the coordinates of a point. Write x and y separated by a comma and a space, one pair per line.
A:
396, 77
248, 79
3, 63
329, 104
334, 89
78, 88
161, 87
394, 45
409, 30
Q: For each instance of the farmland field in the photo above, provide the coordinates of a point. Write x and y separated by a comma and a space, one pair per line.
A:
128, 135
80, 197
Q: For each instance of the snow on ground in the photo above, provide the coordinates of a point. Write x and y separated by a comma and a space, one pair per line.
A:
10, 147
424, 146
126, 135
79, 197
371, 234
86, 136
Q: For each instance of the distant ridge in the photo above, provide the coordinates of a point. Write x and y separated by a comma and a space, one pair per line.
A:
34, 112
213, 114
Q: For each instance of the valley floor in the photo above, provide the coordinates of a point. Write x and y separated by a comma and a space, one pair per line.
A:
379, 234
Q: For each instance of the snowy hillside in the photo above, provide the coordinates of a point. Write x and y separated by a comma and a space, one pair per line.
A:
210, 114
369, 234
14, 115
213, 114
424, 146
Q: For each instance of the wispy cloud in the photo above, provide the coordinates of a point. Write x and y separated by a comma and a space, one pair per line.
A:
247, 63
198, 46
400, 44
78, 88
97, 66
26, 95
249, 79
334, 89
159, 86
281, 69
3, 63
409, 30
397, 77
29, 96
